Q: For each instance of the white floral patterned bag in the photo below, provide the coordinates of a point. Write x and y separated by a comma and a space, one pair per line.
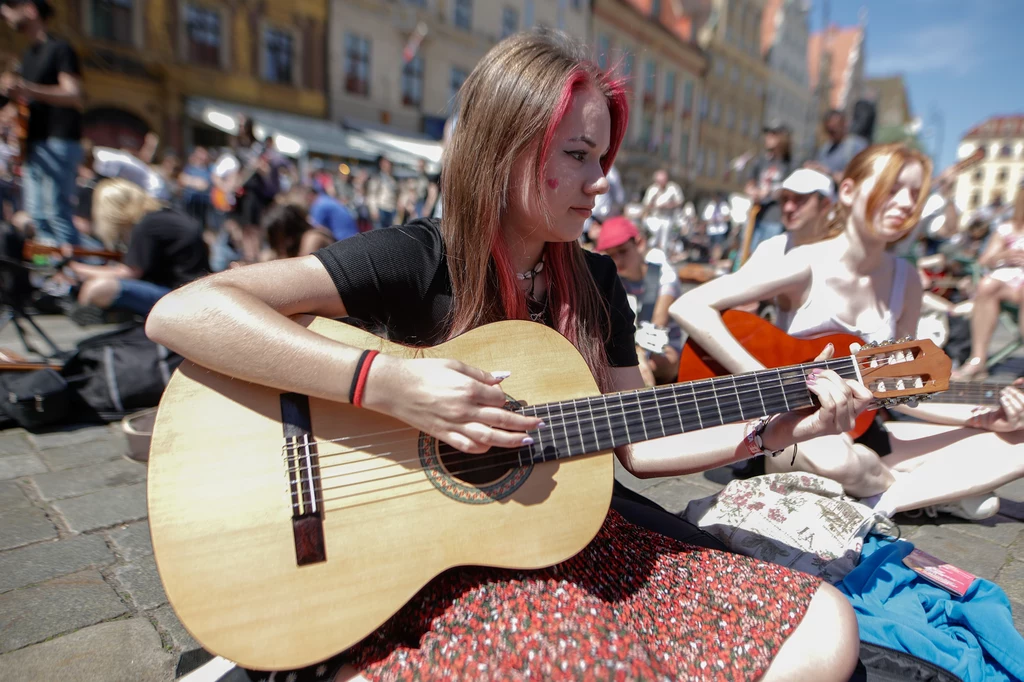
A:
798, 520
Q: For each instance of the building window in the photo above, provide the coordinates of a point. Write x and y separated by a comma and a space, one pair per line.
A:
1003, 174
627, 64
422, 4
509, 21
357, 64
687, 95
650, 79
202, 28
666, 138
647, 131
700, 162
1005, 151
670, 89
730, 117
703, 106
464, 14
278, 55
684, 147
712, 163
979, 175
456, 78
734, 76
604, 47
412, 82
719, 68
655, 9
112, 20
577, 5
975, 199
716, 112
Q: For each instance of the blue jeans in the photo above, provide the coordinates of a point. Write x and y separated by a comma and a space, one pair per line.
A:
138, 296
48, 184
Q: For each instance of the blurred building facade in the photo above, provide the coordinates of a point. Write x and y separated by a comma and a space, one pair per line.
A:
835, 64
373, 84
649, 45
732, 107
144, 61
785, 31
998, 178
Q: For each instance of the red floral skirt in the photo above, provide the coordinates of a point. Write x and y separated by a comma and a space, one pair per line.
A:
632, 605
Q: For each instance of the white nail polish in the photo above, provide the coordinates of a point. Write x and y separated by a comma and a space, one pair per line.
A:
527, 441
501, 376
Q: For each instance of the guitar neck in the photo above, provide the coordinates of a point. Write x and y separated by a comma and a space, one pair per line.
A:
592, 424
970, 393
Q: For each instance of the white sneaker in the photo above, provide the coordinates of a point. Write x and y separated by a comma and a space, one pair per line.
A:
974, 508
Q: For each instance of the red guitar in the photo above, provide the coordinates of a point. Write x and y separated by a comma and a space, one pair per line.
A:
773, 347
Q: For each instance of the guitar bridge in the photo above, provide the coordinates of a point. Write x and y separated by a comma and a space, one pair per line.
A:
303, 470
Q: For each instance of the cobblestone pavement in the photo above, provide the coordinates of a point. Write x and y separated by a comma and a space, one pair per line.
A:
80, 597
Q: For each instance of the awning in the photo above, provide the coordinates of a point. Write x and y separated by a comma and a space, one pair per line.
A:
293, 135
400, 147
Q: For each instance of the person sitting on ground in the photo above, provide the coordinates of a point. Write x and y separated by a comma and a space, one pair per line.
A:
1005, 283
805, 198
549, 139
163, 249
651, 286
851, 275
290, 232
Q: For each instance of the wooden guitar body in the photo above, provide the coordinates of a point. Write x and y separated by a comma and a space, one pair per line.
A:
770, 346
266, 592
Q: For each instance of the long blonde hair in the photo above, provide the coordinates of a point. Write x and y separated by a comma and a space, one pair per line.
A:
117, 205
862, 166
510, 105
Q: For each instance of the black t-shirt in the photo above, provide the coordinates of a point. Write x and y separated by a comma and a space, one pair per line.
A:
397, 281
168, 247
42, 63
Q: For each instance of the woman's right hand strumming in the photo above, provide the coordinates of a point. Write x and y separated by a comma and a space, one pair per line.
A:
458, 404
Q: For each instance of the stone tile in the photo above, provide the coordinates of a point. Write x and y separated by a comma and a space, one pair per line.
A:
46, 560
132, 541
24, 525
1011, 579
121, 651
1013, 490
141, 582
637, 485
104, 508
61, 605
75, 482
71, 435
1018, 615
999, 529
675, 493
84, 454
702, 480
11, 496
980, 557
15, 442
174, 632
16, 466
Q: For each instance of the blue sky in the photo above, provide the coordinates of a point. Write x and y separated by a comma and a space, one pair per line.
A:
962, 60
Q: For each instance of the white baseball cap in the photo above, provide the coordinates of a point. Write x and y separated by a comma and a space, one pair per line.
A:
809, 181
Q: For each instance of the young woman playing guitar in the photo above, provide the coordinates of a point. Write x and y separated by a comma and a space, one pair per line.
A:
549, 123
850, 283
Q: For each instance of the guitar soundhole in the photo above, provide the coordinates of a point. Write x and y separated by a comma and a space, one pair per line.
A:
476, 469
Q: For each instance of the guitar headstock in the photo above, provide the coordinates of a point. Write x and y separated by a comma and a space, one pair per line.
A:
903, 371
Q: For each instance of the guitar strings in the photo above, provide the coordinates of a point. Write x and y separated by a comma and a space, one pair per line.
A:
574, 415
712, 391
514, 455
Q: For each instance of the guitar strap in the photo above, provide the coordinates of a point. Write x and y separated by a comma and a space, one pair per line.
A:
652, 283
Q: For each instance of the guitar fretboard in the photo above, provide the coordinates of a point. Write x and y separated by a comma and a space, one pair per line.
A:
587, 425
970, 393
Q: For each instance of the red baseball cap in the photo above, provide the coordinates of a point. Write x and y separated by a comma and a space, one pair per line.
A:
615, 232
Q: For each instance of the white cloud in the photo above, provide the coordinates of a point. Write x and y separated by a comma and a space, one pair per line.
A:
943, 47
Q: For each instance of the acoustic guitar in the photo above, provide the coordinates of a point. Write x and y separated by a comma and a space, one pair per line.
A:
773, 347
286, 528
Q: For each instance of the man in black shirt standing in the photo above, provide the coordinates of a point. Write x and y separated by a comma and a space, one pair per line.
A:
51, 82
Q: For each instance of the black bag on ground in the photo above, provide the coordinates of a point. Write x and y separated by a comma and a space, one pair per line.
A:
118, 372
35, 399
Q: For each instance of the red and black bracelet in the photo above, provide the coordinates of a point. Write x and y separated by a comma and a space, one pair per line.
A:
355, 393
